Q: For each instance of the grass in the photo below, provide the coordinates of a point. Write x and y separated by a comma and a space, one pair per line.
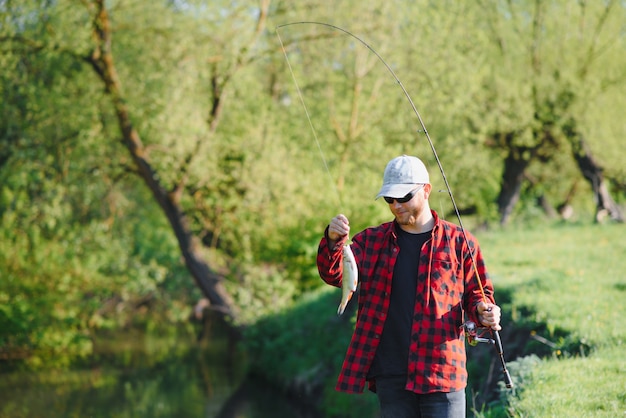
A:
572, 278
566, 282
592, 386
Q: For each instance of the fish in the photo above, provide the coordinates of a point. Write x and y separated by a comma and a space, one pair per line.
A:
350, 278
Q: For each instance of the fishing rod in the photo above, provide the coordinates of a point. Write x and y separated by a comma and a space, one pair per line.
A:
497, 341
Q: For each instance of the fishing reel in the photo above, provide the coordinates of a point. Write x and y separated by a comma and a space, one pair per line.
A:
475, 334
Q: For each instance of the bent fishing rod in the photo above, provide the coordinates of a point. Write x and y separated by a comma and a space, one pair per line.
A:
471, 330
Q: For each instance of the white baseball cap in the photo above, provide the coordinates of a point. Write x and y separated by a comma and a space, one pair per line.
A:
401, 175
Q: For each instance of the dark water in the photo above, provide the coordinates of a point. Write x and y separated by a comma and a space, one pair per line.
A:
140, 376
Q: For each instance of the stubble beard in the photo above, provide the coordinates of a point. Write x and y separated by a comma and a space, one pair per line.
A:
408, 218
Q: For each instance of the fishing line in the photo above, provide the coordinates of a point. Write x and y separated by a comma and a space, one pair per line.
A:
308, 116
443, 213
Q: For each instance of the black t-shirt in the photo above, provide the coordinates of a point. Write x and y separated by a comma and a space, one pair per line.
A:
392, 354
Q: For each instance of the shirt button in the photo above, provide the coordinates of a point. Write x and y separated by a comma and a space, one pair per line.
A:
376, 336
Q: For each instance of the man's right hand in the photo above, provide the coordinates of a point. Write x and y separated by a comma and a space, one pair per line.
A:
338, 228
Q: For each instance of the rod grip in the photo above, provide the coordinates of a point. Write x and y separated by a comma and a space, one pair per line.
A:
507, 377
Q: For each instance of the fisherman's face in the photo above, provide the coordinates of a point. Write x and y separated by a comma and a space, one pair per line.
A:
408, 213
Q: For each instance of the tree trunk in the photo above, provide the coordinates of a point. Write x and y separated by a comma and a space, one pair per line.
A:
510, 188
208, 280
547, 207
593, 173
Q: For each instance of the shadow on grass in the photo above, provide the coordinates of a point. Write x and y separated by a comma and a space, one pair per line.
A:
523, 339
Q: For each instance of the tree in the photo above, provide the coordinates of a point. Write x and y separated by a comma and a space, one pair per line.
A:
167, 187
102, 60
593, 172
555, 64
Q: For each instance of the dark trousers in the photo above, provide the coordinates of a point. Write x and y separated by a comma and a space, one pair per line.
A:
396, 402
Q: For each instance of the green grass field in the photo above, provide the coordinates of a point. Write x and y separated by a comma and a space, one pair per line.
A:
572, 278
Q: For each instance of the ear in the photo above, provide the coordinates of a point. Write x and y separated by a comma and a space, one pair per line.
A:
427, 189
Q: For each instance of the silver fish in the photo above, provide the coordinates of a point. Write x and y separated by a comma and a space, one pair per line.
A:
350, 278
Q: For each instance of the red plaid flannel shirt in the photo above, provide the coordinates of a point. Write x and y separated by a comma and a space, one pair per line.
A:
447, 286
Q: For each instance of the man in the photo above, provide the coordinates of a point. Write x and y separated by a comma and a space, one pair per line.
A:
417, 283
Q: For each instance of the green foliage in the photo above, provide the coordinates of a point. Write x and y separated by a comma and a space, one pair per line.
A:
54, 294
259, 291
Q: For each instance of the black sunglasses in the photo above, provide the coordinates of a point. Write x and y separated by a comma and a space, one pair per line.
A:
410, 195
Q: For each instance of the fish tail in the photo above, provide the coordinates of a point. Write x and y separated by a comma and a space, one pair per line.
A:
343, 304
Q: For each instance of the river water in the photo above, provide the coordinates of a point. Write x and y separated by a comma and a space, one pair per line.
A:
148, 376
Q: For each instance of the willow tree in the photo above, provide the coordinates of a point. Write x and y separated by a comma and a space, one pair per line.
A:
550, 62
101, 58
151, 68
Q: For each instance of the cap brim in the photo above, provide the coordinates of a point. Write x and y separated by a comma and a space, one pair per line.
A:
395, 190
